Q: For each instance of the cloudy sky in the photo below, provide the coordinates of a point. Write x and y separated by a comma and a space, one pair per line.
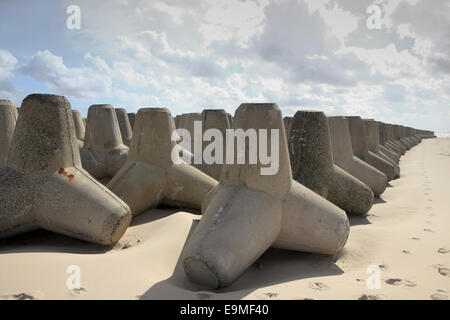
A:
190, 54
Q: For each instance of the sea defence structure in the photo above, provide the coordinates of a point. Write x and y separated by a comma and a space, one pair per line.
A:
126, 130
131, 118
403, 136
259, 211
287, 125
212, 120
392, 154
8, 118
343, 157
153, 173
44, 185
103, 153
392, 141
186, 121
412, 134
360, 147
312, 165
79, 125
230, 119
371, 129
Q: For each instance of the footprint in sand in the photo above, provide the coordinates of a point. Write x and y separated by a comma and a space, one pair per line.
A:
203, 295
428, 230
406, 251
318, 286
78, 291
20, 296
443, 250
271, 294
127, 242
369, 297
398, 282
383, 266
443, 270
414, 238
439, 295
394, 282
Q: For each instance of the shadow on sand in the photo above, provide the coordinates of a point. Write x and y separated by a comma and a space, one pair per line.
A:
358, 221
45, 241
273, 267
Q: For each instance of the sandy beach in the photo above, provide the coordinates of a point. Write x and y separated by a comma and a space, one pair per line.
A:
406, 235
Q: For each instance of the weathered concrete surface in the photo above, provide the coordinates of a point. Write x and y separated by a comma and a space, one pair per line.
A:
8, 118
103, 153
44, 186
312, 165
393, 155
214, 119
259, 211
131, 118
125, 127
150, 175
343, 157
392, 141
80, 129
287, 125
365, 144
372, 129
186, 121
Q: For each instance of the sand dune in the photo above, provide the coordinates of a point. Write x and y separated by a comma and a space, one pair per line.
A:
406, 235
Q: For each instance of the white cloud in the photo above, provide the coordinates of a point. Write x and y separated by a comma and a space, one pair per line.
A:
314, 54
7, 64
81, 82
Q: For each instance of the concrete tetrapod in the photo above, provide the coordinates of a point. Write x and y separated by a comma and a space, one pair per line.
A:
150, 175
373, 143
392, 141
413, 135
343, 157
8, 118
312, 165
125, 127
103, 153
79, 125
217, 122
361, 150
44, 186
248, 212
230, 119
131, 117
403, 138
392, 154
287, 125
186, 121
409, 139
